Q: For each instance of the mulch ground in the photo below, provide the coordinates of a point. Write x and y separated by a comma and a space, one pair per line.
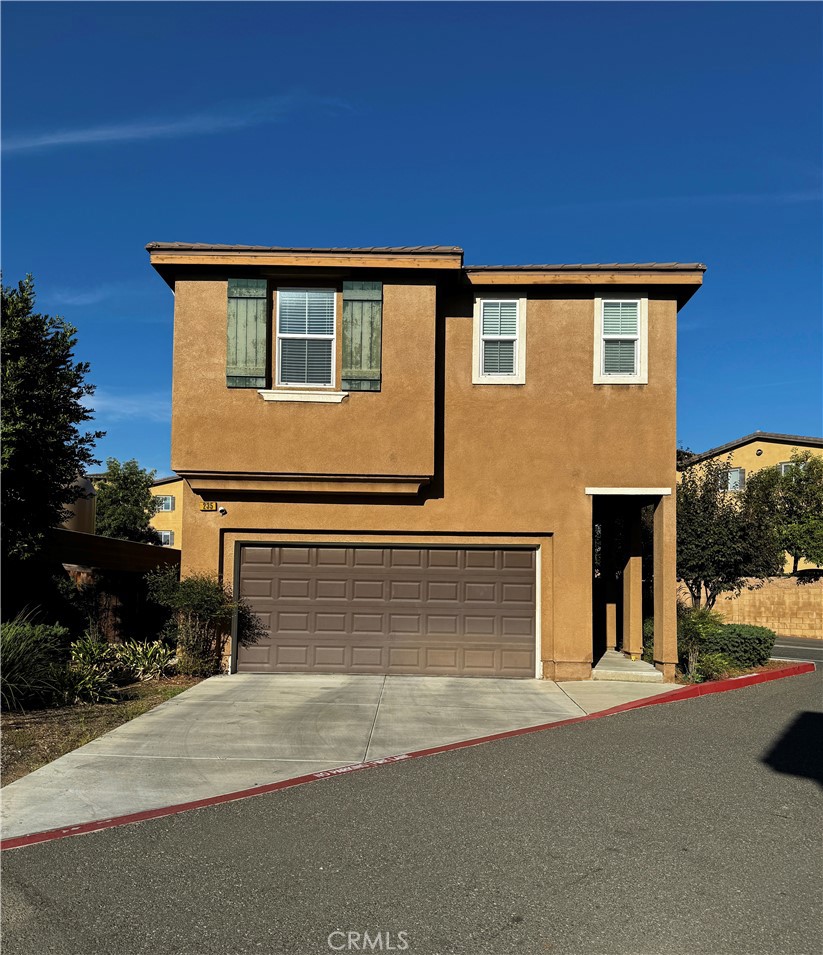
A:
30, 740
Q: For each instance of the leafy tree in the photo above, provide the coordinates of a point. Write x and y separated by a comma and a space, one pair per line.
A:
125, 504
43, 449
794, 503
723, 536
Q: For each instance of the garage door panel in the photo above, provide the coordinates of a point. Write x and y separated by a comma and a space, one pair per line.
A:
445, 611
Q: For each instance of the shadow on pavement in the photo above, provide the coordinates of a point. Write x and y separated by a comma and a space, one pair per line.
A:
798, 751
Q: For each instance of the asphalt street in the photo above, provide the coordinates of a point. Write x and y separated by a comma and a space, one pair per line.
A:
798, 648
688, 827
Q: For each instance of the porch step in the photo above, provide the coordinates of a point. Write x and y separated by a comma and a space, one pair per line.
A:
614, 666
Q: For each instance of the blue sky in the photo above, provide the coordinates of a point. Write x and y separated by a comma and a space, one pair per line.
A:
522, 132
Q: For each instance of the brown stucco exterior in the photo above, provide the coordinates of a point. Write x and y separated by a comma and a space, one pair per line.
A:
433, 458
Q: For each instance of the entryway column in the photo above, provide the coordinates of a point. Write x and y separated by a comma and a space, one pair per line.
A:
633, 586
665, 587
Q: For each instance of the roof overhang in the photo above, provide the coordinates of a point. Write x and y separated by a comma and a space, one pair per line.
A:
168, 257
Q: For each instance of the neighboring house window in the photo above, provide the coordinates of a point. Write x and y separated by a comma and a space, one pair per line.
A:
786, 466
165, 502
305, 336
499, 350
621, 341
167, 538
733, 479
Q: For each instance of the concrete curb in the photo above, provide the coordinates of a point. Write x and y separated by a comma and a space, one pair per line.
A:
685, 693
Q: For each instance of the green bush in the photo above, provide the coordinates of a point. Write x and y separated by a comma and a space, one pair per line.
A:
91, 654
203, 609
147, 661
714, 666
744, 644
81, 683
696, 626
29, 653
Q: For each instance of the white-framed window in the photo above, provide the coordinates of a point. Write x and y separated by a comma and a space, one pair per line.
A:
733, 479
786, 466
621, 336
499, 344
167, 538
165, 502
306, 337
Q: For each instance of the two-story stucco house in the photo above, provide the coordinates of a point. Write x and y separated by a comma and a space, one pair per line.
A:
403, 462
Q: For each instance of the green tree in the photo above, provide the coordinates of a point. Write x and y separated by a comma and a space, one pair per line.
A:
723, 536
793, 502
125, 504
43, 449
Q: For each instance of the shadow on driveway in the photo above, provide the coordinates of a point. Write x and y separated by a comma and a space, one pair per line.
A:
798, 751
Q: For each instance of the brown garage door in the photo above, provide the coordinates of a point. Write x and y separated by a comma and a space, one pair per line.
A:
437, 611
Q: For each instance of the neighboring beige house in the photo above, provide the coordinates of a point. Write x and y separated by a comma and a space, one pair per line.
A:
169, 517
752, 453
401, 461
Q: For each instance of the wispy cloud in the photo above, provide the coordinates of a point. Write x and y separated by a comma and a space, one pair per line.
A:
61, 297
259, 112
148, 406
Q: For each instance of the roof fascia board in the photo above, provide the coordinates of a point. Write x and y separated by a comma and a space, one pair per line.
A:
309, 260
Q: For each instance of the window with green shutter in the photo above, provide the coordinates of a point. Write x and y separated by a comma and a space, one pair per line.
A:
305, 336
362, 335
247, 340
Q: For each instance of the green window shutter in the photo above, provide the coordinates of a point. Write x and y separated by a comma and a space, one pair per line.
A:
247, 344
362, 335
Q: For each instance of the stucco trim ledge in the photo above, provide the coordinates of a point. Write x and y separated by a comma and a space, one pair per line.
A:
327, 397
639, 491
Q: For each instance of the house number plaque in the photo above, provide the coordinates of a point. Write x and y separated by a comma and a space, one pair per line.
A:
208, 505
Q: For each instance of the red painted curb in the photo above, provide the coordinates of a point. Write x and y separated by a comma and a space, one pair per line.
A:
685, 693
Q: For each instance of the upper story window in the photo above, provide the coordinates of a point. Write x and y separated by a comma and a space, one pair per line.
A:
305, 337
733, 479
165, 502
786, 466
167, 538
621, 341
499, 349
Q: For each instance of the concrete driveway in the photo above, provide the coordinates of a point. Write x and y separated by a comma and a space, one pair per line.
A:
234, 732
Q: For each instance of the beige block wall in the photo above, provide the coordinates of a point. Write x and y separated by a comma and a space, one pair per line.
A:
790, 608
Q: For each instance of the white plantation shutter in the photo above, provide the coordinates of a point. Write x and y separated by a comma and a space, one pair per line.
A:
621, 337
305, 330
498, 332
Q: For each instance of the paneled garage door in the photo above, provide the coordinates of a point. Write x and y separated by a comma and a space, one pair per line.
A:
437, 611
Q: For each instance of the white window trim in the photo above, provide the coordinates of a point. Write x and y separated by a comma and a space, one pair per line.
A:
170, 542
727, 477
642, 375
333, 337
165, 497
519, 376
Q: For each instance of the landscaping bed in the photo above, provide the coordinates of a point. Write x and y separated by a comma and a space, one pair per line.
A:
32, 739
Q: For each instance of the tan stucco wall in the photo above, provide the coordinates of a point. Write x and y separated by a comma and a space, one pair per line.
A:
233, 429
170, 520
516, 458
789, 607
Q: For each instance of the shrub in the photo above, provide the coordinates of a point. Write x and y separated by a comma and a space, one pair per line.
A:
147, 661
695, 627
714, 666
648, 640
203, 609
28, 655
81, 683
744, 644
94, 655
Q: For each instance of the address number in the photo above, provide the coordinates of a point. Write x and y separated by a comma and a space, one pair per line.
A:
208, 505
